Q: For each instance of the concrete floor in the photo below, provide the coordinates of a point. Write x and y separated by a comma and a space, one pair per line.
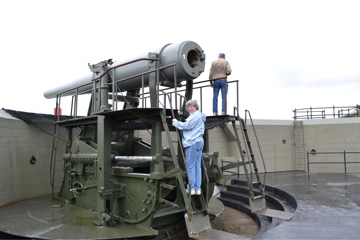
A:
328, 206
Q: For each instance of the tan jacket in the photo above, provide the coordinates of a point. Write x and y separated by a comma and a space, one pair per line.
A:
220, 69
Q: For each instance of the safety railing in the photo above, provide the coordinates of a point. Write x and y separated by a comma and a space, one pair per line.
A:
175, 92
326, 112
78, 90
231, 171
178, 99
344, 160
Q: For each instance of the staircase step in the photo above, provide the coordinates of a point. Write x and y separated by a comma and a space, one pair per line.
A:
237, 196
274, 201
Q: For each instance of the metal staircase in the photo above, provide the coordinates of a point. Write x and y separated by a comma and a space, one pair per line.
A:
257, 202
299, 145
197, 216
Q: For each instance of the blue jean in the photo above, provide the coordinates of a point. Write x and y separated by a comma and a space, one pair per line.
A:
193, 157
220, 85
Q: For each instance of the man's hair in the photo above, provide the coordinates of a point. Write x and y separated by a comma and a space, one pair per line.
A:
193, 103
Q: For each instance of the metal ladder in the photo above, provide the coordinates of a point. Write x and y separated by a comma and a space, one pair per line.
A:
257, 203
197, 217
54, 152
249, 164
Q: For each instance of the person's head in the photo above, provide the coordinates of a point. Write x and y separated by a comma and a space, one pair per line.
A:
222, 55
192, 106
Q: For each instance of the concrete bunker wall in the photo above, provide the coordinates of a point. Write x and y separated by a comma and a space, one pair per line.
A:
19, 178
336, 136
284, 144
281, 147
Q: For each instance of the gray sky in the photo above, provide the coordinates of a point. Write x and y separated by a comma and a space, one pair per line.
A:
287, 54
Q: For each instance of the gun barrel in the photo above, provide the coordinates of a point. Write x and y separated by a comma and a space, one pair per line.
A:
188, 57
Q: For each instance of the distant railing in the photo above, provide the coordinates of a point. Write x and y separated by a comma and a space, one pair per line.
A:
326, 112
344, 161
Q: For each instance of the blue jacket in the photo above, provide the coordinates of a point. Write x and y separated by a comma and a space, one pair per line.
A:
193, 128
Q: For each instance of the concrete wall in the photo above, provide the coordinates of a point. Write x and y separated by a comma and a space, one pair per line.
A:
19, 141
275, 138
333, 135
19, 179
277, 143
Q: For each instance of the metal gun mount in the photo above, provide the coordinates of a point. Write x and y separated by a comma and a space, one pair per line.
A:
111, 177
126, 180
136, 186
100, 67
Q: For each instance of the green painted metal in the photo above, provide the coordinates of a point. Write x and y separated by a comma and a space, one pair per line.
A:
147, 192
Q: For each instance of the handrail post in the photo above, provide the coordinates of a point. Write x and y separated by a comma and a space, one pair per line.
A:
201, 109
307, 160
237, 95
175, 87
345, 161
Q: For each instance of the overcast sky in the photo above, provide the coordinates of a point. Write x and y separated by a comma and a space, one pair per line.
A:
286, 54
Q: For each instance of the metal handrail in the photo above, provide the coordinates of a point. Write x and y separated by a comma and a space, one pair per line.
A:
323, 112
313, 152
198, 87
113, 82
228, 171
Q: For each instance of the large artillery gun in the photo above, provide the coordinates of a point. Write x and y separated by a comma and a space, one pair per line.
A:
132, 185
121, 172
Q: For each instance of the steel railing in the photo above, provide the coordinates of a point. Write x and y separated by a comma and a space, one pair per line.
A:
198, 86
326, 112
344, 161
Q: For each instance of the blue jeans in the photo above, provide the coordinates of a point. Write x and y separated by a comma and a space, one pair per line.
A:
193, 157
217, 86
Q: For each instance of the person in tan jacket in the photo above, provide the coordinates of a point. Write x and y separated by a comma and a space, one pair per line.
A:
219, 71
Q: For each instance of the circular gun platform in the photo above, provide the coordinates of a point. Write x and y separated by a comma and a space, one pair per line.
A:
47, 218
